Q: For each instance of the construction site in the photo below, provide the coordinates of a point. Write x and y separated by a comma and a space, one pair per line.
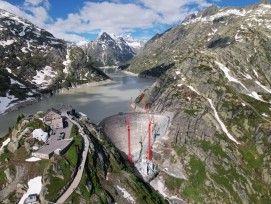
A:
134, 134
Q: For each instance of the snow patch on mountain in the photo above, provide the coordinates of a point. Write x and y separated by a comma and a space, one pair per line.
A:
67, 62
12, 81
222, 13
126, 194
222, 125
210, 35
256, 74
6, 102
135, 44
5, 143
82, 43
7, 42
256, 96
33, 159
34, 187
263, 87
9, 70
44, 77
227, 75
194, 90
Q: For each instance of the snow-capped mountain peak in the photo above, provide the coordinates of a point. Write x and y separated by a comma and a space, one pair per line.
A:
136, 44
82, 43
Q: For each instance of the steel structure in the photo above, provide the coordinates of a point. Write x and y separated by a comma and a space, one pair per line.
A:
150, 119
129, 133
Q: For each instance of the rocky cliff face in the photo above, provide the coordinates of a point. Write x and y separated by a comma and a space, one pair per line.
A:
217, 89
109, 50
33, 61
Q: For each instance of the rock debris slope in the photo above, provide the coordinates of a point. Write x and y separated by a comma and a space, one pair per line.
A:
214, 76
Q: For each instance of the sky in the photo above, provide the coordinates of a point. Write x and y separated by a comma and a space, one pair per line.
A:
76, 20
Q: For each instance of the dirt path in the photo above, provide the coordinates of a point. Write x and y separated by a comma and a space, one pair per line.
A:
20, 170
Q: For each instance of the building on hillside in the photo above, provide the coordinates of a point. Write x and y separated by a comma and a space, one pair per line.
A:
40, 135
59, 147
53, 118
83, 116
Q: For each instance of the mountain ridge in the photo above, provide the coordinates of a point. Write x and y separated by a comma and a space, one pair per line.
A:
214, 78
35, 63
109, 50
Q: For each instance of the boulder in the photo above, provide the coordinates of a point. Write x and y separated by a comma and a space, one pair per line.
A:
21, 188
13, 146
259, 149
10, 174
27, 146
266, 176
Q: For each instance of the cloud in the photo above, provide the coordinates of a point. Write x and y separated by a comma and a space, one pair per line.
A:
115, 16
33, 3
108, 17
174, 10
38, 9
34, 11
119, 17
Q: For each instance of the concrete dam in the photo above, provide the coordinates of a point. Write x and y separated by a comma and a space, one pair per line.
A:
115, 129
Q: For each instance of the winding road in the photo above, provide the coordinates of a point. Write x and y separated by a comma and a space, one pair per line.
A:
79, 174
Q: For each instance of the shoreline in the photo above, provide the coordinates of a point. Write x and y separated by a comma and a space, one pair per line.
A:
90, 84
129, 73
16, 106
21, 104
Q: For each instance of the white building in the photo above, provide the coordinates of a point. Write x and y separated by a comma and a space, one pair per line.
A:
40, 135
83, 116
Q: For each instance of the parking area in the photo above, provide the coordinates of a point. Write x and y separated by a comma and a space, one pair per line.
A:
55, 142
66, 130
47, 151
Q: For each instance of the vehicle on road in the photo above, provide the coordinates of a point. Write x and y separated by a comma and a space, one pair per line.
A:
61, 136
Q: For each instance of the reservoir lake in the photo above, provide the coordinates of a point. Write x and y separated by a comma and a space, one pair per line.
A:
96, 102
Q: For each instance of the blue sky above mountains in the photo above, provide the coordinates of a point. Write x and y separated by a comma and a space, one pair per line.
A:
77, 20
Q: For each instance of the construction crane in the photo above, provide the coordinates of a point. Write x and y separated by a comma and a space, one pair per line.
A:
150, 121
129, 133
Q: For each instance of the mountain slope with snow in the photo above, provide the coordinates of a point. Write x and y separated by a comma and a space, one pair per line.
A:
111, 50
214, 79
135, 44
34, 62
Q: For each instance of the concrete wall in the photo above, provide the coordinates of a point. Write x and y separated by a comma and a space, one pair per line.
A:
116, 131
42, 155
65, 149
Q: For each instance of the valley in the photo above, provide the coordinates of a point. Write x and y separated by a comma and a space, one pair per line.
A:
182, 118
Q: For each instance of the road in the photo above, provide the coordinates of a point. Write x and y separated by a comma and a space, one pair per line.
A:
79, 174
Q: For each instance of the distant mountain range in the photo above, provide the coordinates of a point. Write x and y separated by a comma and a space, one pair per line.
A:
110, 50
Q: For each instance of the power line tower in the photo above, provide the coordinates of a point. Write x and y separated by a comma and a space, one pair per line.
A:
129, 133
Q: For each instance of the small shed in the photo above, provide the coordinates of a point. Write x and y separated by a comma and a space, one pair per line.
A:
32, 199
40, 135
83, 116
